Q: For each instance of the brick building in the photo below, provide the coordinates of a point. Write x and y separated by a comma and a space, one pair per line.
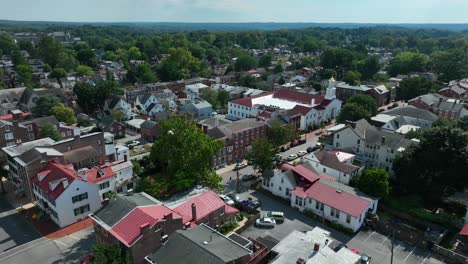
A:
237, 138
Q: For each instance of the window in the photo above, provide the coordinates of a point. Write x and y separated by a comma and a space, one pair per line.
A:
80, 197
9, 136
282, 180
280, 188
130, 186
287, 192
99, 142
319, 206
104, 185
298, 201
7, 128
359, 141
337, 135
31, 136
68, 147
30, 128
81, 210
348, 219
324, 170
68, 133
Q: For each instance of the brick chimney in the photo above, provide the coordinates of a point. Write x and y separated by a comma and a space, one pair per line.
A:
194, 212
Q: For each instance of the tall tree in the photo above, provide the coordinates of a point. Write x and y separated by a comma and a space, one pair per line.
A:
87, 57
186, 154
261, 155
366, 101
375, 182
450, 65
110, 254
408, 62
50, 131
24, 74
44, 104
352, 77
245, 63
180, 64
437, 165
279, 134
63, 114
416, 86
84, 70
352, 112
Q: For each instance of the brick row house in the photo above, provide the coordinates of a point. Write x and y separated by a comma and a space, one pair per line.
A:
141, 224
27, 159
237, 138
440, 105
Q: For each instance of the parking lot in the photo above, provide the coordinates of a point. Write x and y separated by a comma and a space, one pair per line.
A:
379, 247
14, 229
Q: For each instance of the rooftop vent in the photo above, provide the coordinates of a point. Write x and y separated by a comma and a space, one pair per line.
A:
339, 191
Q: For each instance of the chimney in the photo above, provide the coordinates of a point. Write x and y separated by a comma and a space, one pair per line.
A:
316, 247
300, 261
312, 102
194, 212
383, 140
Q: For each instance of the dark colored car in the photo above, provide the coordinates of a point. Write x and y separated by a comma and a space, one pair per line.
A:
312, 149
302, 141
295, 143
253, 204
248, 177
285, 148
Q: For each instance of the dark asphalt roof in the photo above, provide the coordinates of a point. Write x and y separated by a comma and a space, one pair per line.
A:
121, 205
199, 245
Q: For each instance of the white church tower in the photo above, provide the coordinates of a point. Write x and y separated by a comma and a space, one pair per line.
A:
331, 90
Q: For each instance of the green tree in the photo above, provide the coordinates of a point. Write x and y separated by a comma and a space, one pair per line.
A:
369, 67
366, 101
408, 62
44, 104
278, 68
24, 74
261, 155
450, 65
50, 131
117, 114
352, 112
278, 134
86, 97
375, 182
110, 254
265, 61
336, 58
7, 43
66, 60
352, 77
49, 49
186, 154
248, 81
84, 70
144, 74
211, 96
134, 53
416, 86
436, 166
58, 73
87, 57
180, 64
245, 63
63, 113
223, 98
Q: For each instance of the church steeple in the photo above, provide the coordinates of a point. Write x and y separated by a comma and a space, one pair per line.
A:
331, 90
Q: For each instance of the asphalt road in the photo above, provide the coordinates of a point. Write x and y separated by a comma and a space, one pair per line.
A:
14, 229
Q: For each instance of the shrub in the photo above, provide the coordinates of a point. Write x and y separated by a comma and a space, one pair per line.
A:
228, 227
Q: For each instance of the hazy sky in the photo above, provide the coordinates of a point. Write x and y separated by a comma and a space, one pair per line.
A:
373, 11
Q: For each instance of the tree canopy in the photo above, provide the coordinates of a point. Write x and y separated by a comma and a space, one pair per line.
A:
44, 104
374, 181
261, 155
279, 134
63, 113
407, 62
412, 87
50, 131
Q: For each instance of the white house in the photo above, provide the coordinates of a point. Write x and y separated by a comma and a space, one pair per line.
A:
406, 117
117, 103
321, 195
69, 196
193, 90
66, 196
337, 164
148, 104
375, 147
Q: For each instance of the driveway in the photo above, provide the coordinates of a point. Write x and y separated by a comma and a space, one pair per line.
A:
14, 229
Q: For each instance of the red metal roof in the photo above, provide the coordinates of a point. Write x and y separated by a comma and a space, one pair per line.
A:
10, 116
230, 210
98, 174
128, 230
302, 110
343, 201
55, 173
206, 203
464, 231
305, 173
247, 101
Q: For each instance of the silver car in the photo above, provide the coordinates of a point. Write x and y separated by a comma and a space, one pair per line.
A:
265, 222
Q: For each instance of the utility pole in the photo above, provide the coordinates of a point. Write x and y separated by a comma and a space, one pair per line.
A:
237, 176
393, 237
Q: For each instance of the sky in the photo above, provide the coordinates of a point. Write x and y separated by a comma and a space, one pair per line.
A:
325, 11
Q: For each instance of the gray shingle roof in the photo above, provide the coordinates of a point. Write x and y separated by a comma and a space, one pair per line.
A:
148, 124
199, 245
329, 159
412, 111
121, 205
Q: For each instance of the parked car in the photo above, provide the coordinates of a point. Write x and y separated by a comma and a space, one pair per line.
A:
302, 141
234, 197
277, 216
265, 222
292, 157
294, 143
285, 148
226, 199
365, 259
248, 177
302, 153
240, 166
132, 143
312, 149
250, 203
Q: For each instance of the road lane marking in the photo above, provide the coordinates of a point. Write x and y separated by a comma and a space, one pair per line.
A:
381, 243
72, 236
411, 252
365, 240
427, 256
61, 243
